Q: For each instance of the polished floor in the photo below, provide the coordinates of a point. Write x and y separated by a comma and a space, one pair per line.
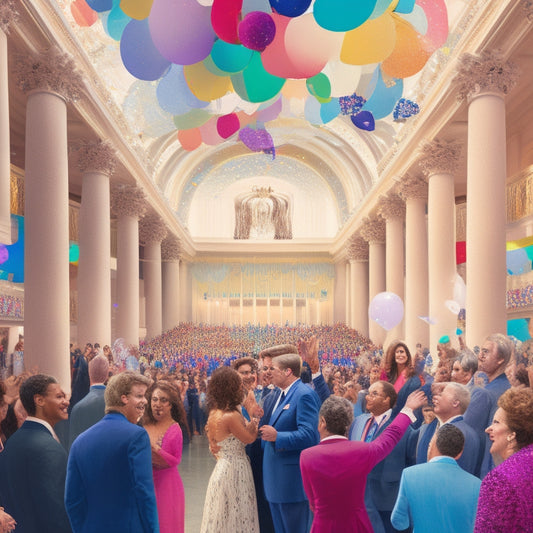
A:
195, 468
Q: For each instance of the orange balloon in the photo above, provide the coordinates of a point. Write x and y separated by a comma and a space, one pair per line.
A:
295, 89
190, 139
136, 9
410, 53
82, 13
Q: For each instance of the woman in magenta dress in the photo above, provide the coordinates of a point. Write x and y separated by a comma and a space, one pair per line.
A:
165, 421
506, 493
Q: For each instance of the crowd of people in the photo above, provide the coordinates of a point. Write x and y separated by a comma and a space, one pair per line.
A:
313, 428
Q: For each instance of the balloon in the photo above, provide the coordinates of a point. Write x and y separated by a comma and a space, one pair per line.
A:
181, 30
386, 309
230, 58
257, 30
256, 140
459, 291
225, 16
73, 252
518, 262
209, 132
343, 78
205, 85
452, 306
290, 8
116, 22
190, 139
136, 9
100, 5
4, 253
173, 93
405, 6
319, 87
139, 55
255, 5
228, 125
83, 14
342, 15
384, 97
519, 328
330, 110
271, 112
364, 121
192, 119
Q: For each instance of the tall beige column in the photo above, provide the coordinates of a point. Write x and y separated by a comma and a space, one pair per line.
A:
439, 160
186, 293
373, 231
170, 255
392, 209
413, 189
358, 255
152, 231
128, 204
97, 163
50, 80
9, 17
339, 310
348, 293
485, 81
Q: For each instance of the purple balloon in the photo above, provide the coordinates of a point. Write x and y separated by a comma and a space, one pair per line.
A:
364, 120
139, 55
181, 30
4, 253
257, 140
386, 309
257, 30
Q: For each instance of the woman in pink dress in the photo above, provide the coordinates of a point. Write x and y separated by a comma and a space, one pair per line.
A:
164, 419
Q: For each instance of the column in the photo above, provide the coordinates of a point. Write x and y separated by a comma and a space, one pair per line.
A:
50, 80
9, 16
359, 291
439, 160
128, 204
348, 297
152, 231
339, 310
413, 189
373, 231
484, 81
392, 209
185, 292
170, 256
97, 163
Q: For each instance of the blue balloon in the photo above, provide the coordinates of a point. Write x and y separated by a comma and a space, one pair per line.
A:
519, 328
100, 5
139, 54
290, 8
13, 268
405, 6
174, 95
117, 20
383, 99
364, 121
330, 110
518, 262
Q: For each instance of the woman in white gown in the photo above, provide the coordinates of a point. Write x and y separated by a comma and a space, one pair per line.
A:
230, 503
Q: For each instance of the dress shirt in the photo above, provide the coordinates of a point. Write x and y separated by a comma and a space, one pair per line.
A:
284, 393
45, 424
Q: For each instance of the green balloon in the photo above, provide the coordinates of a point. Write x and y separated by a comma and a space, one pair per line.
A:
192, 119
73, 253
320, 87
230, 58
254, 83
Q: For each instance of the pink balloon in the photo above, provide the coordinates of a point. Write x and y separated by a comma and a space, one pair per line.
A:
227, 125
209, 133
225, 16
181, 30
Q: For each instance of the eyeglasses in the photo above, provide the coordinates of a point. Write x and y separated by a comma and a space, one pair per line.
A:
375, 393
163, 400
267, 368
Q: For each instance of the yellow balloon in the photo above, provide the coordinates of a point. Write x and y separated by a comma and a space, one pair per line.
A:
410, 52
371, 42
205, 85
136, 9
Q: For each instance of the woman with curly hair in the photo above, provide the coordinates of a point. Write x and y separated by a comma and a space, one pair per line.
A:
230, 503
506, 491
165, 421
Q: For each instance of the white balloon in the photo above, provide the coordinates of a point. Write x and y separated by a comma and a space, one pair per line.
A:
459, 291
453, 306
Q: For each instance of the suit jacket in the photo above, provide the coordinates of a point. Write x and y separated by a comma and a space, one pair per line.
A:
32, 469
437, 497
87, 412
334, 475
109, 486
296, 421
470, 458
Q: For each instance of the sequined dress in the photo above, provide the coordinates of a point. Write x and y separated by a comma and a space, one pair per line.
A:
230, 504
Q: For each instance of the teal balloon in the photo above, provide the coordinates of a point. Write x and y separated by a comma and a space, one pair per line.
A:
519, 328
73, 252
382, 101
254, 83
330, 110
529, 252
405, 6
380, 8
342, 15
117, 20
230, 58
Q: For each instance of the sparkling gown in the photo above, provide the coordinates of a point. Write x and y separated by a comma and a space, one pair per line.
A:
230, 504
169, 492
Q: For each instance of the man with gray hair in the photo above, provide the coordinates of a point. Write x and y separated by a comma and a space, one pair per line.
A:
109, 474
91, 408
334, 472
449, 404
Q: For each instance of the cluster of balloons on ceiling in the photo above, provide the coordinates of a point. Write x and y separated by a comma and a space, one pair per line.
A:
316, 58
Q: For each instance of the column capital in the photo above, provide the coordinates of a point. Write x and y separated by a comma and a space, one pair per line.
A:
96, 156
439, 157
51, 70
171, 249
487, 72
357, 249
128, 200
8, 15
152, 229
412, 187
391, 206
373, 229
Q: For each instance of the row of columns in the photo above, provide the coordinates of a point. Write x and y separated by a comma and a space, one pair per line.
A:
427, 283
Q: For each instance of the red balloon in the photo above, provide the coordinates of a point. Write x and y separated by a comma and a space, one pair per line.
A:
227, 125
225, 15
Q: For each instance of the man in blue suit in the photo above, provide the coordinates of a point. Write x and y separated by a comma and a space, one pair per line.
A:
90, 409
438, 496
449, 404
109, 485
383, 481
292, 427
33, 464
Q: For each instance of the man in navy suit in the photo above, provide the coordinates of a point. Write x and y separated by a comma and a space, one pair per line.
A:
33, 464
90, 409
291, 428
438, 496
109, 484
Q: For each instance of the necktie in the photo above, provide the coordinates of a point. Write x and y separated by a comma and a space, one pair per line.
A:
372, 428
281, 400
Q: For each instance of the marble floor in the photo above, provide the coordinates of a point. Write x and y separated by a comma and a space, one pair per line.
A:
195, 468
